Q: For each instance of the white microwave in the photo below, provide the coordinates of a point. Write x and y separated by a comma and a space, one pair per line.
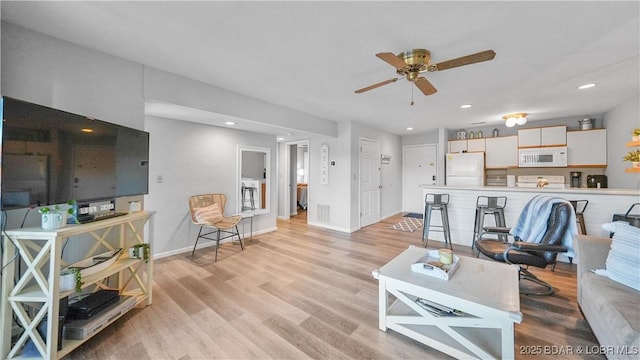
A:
543, 157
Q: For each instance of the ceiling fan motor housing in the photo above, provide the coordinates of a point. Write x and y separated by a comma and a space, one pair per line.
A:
415, 57
417, 61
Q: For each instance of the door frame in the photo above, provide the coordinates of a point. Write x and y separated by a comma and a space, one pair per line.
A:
289, 189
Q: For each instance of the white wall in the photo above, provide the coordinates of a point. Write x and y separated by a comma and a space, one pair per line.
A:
55, 73
196, 159
337, 192
195, 94
620, 122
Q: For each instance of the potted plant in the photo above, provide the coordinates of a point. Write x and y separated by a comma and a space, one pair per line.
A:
139, 251
635, 134
634, 157
56, 217
71, 279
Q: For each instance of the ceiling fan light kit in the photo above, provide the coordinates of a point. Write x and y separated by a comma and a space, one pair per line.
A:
411, 63
512, 119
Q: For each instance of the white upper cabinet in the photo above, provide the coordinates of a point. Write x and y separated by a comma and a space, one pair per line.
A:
501, 152
545, 136
587, 148
475, 145
553, 136
456, 146
528, 137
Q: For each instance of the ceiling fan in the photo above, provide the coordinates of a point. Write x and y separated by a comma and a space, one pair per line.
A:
412, 63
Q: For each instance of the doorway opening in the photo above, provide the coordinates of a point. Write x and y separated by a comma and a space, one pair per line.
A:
297, 197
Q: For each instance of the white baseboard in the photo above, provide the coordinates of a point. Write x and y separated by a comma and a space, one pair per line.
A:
330, 227
205, 244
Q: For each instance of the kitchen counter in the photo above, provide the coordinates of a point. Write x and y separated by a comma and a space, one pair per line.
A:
567, 190
603, 204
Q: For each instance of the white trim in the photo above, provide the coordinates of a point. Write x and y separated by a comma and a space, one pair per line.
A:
207, 244
330, 227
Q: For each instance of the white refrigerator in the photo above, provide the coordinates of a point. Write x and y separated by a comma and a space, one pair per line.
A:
465, 169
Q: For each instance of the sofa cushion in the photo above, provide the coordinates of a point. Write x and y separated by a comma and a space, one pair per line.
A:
611, 310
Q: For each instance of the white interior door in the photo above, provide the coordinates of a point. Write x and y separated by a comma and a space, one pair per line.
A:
419, 167
369, 182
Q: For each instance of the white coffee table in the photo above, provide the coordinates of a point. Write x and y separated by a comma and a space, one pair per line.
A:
486, 291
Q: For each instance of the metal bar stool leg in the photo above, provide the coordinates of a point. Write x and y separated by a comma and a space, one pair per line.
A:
425, 225
445, 226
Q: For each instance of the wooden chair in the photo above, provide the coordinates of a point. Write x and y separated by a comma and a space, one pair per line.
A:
224, 224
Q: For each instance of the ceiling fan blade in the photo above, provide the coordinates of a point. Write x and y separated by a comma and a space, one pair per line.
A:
371, 87
392, 59
425, 86
465, 60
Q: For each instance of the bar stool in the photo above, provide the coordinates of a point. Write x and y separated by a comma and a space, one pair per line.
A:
436, 202
489, 205
579, 207
248, 190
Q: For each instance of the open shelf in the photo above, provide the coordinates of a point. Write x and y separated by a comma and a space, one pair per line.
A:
40, 251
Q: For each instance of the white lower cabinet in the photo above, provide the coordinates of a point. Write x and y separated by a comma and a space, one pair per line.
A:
501, 152
35, 297
587, 148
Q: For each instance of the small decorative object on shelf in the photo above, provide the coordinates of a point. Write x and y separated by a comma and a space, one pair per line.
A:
139, 251
634, 157
479, 133
462, 134
56, 217
431, 265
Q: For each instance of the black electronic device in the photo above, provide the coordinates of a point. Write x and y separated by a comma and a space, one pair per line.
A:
597, 181
93, 304
50, 156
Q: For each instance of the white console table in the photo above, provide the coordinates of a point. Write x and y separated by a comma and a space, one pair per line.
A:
38, 286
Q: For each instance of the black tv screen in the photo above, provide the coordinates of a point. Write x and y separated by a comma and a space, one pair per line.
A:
50, 156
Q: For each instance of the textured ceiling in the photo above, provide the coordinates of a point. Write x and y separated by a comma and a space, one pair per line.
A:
311, 56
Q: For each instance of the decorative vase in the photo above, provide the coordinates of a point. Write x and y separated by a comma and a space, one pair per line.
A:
53, 221
67, 282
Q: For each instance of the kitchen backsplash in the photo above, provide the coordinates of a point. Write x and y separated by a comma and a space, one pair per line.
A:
499, 177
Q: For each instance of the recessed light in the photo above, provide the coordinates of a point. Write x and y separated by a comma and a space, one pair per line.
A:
229, 123
465, 106
279, 138
409, 129
586, 86
87, 130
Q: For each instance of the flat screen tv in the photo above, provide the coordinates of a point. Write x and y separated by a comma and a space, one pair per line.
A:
50, 156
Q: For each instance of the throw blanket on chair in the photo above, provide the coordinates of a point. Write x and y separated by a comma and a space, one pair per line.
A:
532, 223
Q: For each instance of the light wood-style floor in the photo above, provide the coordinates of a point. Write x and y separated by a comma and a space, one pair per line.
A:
304, 292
